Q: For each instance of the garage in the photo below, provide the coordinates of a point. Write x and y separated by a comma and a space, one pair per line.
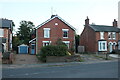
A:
23, 49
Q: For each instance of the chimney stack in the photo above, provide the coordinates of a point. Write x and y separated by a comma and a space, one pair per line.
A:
114, 23
87, 21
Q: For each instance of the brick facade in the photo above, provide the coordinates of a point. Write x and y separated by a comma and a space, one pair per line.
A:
55, 33
7, 34
90, 38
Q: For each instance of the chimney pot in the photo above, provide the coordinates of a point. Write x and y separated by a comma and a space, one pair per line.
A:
87, 21
114, 23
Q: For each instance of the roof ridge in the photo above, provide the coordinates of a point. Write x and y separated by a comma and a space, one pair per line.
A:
100, 25
52, 19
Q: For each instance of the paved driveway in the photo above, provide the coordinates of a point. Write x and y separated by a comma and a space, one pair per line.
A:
25, 59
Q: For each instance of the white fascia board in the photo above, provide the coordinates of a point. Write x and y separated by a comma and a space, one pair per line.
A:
45, 22
66, 23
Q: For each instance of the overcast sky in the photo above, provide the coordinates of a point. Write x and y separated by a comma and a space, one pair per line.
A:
100, 12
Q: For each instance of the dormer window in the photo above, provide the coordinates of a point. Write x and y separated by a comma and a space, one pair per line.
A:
101, 35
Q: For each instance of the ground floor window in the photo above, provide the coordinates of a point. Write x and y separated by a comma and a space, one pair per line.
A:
67, 43
102, 45
46, 43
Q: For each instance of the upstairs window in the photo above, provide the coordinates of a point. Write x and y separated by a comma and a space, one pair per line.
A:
46, 32
1, 32
101, 35
111, 35
65, 33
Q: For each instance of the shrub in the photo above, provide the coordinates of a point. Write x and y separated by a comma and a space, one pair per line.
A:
6, 55
51, 50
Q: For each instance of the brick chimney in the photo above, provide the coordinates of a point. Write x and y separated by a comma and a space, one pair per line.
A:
114, 23
53, 15
87, 21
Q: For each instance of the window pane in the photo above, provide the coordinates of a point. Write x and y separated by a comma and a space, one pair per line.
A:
103, 46
65, 33
33, 46
46, 34
100, 46
114, 35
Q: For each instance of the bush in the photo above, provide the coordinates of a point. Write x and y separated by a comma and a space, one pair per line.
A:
6, 55
58, 50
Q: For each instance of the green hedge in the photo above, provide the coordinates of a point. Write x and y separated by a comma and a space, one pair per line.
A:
52, 50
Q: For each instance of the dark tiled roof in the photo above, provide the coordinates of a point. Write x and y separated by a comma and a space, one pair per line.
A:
5, 23
104, 28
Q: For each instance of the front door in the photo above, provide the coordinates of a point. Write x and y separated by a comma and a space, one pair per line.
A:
32, 48
110, 47
119, 45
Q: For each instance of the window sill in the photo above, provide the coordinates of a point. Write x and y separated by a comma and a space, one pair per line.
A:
46, 37
65, 37
102, 50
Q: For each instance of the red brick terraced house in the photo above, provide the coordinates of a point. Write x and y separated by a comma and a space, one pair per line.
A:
100, 38
6, 35
53, 29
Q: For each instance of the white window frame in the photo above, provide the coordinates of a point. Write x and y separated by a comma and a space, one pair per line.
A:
1, 32
46, 42
101, 35
47, 32
100, 45
114, 34
67, 43
119, 45
109, 33
63, 32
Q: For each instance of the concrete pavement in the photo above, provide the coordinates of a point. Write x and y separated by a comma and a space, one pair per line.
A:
26, 60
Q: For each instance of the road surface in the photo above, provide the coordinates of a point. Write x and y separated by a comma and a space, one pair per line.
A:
93, 70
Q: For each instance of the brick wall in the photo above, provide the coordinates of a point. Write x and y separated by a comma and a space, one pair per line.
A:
87, 39
55, 33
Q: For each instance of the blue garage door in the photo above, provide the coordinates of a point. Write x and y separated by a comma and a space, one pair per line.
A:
23, 49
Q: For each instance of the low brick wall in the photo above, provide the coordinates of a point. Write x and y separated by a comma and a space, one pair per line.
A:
9, 60
62, 58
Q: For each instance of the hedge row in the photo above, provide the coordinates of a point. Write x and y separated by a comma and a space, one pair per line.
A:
52, 50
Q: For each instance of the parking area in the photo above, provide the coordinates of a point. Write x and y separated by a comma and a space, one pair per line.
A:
25, 59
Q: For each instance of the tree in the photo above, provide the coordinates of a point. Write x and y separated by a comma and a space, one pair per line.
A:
77, 38
24, 31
